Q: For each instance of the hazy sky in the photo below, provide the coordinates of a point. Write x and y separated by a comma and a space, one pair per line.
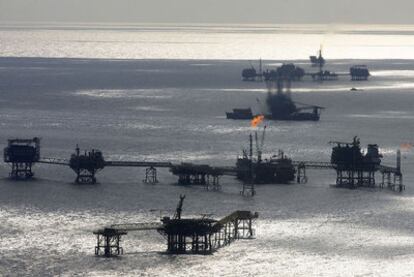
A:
211, 11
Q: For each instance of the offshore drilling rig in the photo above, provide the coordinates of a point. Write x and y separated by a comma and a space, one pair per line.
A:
319, 60
22, 154
86, 165
183, 235
280, 105
278, 169
354, 168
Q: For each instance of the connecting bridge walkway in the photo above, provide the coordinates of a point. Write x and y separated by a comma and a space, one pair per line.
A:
184, 236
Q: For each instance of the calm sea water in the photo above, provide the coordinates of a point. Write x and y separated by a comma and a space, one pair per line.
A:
84, 86
279, 42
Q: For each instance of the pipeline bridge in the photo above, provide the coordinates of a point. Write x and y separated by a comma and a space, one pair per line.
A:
23, 154
208, 176
183, 236
191, 168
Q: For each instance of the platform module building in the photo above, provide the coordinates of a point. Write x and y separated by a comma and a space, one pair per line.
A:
359, 73
205, 235
278, 169
200, 235
353, 167
22, 154
251, 74
194, 174
285, 71
86, 165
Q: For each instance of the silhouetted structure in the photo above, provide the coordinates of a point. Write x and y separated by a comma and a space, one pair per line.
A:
317, 60
250, 74
392, 177
108, 242
295, 73
240, 114
254, 170
204, 235
22, 154
282, 107
359, 73
86, 165
353, 168
285, 71
193, 174
151, 175
184, 235
324, 75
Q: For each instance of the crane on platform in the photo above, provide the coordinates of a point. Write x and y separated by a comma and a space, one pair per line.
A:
179, 209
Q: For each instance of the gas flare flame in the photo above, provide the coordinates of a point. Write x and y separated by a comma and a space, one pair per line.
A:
257, 120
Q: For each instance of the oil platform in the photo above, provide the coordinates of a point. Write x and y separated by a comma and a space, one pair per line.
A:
359, 73
22, 154
353, 167
321, 75
295, 73
285, 71
251, 74
183, 235
279, 169
356, 169
240, 114
319, 60
280, 105
86, 165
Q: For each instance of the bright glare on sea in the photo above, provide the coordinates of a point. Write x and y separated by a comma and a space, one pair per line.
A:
228, 42
145, 92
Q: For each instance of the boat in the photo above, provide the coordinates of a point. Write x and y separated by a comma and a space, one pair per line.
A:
241, 114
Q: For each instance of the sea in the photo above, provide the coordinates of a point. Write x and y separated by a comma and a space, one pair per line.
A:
159, 92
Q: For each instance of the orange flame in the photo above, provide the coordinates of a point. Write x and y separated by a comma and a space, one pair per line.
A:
257, 120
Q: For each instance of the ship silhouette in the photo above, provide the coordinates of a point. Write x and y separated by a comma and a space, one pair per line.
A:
279, 105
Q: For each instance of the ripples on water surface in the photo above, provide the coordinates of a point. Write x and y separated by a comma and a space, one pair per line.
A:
174, 110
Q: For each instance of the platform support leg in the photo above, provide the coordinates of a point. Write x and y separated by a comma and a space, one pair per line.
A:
85, 176
21, 171
151, 176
